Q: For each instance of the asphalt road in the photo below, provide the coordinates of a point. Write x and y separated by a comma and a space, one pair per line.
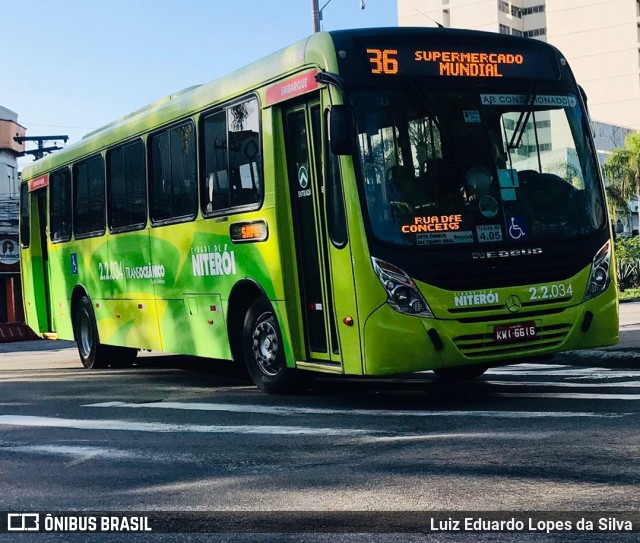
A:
177, 433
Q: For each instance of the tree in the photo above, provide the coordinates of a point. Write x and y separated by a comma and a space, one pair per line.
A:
622, 170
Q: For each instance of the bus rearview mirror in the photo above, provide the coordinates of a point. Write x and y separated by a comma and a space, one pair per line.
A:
341, 130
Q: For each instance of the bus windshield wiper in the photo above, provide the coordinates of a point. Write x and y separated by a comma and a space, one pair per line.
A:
523, 119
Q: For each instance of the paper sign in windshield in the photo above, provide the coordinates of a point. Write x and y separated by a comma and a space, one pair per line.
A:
525, 100
445, 238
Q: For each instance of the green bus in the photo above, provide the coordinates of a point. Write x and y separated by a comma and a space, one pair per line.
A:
365, 202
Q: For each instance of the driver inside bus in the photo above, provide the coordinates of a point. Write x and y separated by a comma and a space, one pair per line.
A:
406, 192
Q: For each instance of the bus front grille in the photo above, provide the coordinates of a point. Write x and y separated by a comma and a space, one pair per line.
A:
483, 345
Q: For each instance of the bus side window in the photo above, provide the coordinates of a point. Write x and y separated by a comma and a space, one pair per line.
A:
244, 153
126, 187
215, 189
60, 205
231, 162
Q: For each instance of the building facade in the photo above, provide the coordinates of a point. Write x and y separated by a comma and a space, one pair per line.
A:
600, 39
11, 310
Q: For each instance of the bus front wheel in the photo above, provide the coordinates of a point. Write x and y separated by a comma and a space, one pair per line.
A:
264, 351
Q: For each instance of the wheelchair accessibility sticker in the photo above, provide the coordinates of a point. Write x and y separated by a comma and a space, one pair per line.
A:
517, 227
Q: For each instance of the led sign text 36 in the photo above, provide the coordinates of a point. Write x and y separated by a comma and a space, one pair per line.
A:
383, 61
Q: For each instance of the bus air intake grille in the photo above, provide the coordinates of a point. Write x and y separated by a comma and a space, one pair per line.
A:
510, 316
484, 345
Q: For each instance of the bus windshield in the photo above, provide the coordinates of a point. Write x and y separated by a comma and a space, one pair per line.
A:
468, 166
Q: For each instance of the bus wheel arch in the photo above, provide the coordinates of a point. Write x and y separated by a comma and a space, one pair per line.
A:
85, 331
94, 354
242, 295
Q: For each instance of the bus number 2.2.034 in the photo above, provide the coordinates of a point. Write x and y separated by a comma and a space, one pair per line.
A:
383, 61
549, 292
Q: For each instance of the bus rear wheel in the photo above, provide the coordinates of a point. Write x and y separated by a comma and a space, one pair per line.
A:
461, 373
264, 353
92, 353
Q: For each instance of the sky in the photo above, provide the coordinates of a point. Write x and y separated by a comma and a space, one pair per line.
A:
70, 66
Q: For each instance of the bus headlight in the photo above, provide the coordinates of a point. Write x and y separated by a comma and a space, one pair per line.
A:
599, 278
402, 293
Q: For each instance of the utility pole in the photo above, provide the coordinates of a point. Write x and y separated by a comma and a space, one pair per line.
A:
41, 150
315, 15
316, 12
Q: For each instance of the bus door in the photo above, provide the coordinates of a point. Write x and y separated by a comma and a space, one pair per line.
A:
41, 271
304, 159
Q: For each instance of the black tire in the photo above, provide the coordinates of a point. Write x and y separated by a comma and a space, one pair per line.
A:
461, 373
264, 354
92, 353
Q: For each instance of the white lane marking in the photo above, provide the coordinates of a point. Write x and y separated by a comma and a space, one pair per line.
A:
82, 453
578, 373
565, 384
288, 411
71, 450
132, 426
528, 435
569, 395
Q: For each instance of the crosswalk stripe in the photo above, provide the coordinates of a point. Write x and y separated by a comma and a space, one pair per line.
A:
133, 426
565, 384
569, 395
290, 410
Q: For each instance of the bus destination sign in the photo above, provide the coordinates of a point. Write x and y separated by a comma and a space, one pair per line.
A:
451, 62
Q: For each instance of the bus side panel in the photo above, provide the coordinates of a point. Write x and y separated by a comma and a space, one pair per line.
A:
61, 281
70, 264
129, 323
132, 316
199, 321
200, 265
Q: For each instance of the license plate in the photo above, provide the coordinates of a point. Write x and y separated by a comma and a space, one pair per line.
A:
518, 331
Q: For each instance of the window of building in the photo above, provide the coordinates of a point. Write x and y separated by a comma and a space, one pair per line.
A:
127, 187
516, 12
535, 32
533, 9
60, 205
89, 197
503, 6
504, 29
172, 174
25, 229
516, 32
231, 168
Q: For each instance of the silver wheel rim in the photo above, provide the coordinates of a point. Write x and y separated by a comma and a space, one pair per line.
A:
85, 333
265, 347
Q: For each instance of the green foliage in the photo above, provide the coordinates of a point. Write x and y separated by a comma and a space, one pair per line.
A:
628, 262
630, 295
622, 173
627, 248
